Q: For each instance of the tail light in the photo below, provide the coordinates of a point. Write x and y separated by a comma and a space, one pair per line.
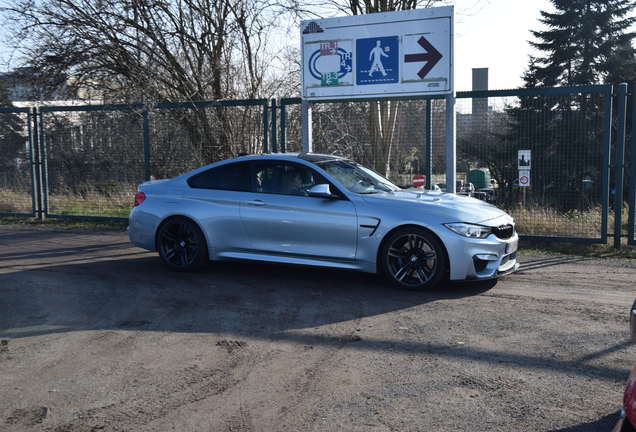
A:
139, 198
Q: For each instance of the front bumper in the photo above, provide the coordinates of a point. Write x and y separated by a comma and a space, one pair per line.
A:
481, 259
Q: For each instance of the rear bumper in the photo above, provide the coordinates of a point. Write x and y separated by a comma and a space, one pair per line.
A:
141, 230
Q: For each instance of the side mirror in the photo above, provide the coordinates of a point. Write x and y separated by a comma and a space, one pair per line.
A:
320, 191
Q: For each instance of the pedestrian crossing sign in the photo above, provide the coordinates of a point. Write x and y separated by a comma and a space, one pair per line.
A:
377, 60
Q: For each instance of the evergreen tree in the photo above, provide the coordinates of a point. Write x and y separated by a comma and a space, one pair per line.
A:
585, 42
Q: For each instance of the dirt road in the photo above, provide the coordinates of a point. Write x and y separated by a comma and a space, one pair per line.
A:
97, 335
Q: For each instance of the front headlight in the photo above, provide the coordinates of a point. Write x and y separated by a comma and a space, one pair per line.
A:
469, 230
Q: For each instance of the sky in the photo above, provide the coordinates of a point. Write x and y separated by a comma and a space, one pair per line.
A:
488, 33
494, 34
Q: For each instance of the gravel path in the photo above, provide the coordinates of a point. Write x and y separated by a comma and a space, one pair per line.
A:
99, 336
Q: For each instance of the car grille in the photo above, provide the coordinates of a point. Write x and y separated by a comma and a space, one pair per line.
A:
504, 231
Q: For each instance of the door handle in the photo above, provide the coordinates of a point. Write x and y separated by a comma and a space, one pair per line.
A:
256, 202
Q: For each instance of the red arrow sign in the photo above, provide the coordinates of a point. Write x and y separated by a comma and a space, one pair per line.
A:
431, 57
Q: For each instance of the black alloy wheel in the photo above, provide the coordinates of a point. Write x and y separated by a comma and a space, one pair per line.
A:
182, 245
413, 258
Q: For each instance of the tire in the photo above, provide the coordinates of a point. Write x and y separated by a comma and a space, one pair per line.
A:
182, 245
413, 258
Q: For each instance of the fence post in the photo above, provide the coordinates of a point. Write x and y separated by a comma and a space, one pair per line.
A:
36, 164
265, 127
632, 181
451, 148
429, 144
146, 139
619, 164
44, 166
306, 126
273, 130
607, 139
283, 125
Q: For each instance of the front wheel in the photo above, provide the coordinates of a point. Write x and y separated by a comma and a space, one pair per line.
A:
182, 245
413, 258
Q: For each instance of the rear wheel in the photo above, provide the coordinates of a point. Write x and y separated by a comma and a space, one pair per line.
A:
413, 258
182, 245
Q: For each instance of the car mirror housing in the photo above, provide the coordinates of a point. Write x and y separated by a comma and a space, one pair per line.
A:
320, 191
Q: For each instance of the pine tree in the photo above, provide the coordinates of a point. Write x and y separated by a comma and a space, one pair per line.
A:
585, 42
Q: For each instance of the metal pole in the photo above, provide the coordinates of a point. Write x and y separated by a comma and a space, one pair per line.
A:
265, 127
283, 130
274, 146
632, 182
607, 139
34, 184
37, 161
45, 168
306, 126
451, 157
146, 138
620, 163
429, 144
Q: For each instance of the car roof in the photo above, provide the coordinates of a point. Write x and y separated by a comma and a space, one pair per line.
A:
309, 157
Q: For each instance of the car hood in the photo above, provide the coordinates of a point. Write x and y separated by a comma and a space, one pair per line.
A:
455, 208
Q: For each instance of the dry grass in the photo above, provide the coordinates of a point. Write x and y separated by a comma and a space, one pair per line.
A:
114, 204
547, 221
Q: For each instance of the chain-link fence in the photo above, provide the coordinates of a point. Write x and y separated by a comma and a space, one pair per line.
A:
565, 130
94, 159
16, 163
564, 133
185, 136
96, 156
392, 137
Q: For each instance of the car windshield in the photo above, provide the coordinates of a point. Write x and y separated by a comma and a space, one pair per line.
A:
357, 178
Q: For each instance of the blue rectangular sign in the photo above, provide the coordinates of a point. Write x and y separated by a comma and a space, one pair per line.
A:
377, 60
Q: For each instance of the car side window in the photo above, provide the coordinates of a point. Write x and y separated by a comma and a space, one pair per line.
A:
285, 178
233, 177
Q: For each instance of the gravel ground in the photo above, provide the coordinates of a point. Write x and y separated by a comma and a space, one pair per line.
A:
96, 335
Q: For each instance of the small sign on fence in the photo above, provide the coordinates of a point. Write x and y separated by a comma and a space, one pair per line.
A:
524, 159
524, 178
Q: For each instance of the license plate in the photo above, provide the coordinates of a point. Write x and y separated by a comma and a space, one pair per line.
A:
512, 246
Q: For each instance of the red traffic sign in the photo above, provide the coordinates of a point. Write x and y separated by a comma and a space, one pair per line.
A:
524, 178
419, 180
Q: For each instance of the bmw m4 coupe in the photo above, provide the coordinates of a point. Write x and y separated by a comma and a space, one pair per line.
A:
321, 210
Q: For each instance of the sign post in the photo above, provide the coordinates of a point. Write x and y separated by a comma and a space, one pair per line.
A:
381, 56
524, 164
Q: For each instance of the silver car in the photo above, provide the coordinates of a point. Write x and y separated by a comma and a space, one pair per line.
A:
321, 210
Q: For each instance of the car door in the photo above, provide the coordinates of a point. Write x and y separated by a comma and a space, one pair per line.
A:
281, 219
215, 196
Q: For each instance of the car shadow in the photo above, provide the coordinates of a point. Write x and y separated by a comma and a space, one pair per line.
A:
603, 424
136, 292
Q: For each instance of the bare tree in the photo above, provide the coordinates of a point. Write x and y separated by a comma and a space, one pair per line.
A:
153, 50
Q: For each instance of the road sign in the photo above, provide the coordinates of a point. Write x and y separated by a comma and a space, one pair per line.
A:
377, 60
524, 178
420, 57
419, 180
524, 159
380, 55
